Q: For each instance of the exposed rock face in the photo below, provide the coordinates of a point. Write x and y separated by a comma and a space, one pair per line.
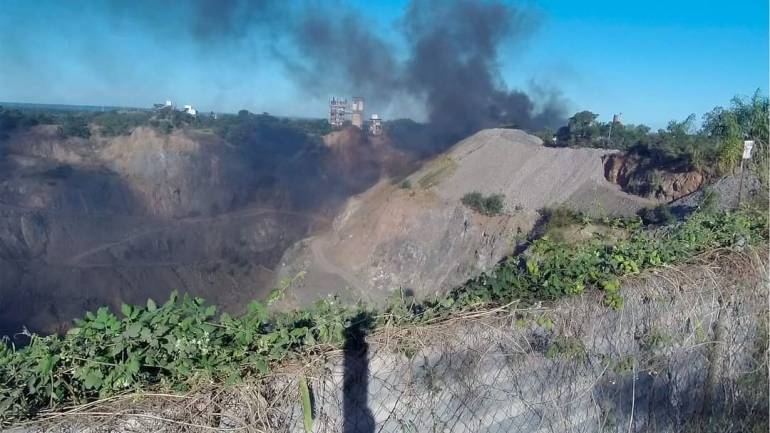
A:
84, 223
677, 185
365, 158
177, 175
724, 193
22, 236
618, 169
660, 185
425, 240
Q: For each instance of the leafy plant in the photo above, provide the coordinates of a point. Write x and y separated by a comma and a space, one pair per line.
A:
491, 205
659, 215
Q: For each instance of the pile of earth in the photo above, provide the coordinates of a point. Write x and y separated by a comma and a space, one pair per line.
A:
416, 234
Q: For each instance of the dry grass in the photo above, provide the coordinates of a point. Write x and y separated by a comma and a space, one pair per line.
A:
439, 169
712, 282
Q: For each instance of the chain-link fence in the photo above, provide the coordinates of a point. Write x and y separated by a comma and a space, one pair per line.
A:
687, 352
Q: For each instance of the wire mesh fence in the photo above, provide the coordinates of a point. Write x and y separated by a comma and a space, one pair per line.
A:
687, 352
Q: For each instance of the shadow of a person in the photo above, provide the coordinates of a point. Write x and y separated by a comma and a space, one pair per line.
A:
357, 417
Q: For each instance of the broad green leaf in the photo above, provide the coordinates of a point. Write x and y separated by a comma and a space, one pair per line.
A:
298, 332
133, 330
46, 364
258, 310
261, 365
133, 365
125, 309
93, 379
210, 311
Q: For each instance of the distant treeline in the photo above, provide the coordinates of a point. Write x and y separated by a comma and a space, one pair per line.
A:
714, 147
241, 126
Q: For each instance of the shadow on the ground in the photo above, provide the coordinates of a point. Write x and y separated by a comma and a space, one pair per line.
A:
357, 416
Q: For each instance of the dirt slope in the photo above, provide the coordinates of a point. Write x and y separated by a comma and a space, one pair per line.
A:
422, 238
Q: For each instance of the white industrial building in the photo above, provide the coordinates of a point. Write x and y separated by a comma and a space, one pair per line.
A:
375, 125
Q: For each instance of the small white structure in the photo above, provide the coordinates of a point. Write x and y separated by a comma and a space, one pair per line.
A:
375, 125
168, 103
190, 110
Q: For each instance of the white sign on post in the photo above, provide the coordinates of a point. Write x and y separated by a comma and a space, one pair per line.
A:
748, 145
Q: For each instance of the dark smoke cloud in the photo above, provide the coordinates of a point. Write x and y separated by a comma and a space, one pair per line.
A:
224, 20
341, 53
453, 64
450, 64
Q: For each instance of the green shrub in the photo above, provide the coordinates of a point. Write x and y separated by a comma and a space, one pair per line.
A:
490, 206
116, 123
406, 184
659, 215
561, 217
74, 126
709, 200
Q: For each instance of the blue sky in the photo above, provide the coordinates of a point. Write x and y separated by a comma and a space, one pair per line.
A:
653, 61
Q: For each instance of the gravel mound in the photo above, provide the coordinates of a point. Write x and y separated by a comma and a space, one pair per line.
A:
422, 238
530, 175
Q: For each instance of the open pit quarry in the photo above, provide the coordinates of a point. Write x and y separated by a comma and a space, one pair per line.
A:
85, 223
107, 220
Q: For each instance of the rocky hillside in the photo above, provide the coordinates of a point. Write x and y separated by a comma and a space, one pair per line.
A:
417, 235
664, 186
105, 220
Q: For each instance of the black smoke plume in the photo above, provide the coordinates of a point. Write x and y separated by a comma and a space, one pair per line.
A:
450, 66
453, 65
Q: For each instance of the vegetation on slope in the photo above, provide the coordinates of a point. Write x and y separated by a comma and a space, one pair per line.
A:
714, 148
490, 206
13, 119
184, 342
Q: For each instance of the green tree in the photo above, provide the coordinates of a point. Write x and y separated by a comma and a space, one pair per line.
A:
581, 130
747, 118
752, 116
74, 126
